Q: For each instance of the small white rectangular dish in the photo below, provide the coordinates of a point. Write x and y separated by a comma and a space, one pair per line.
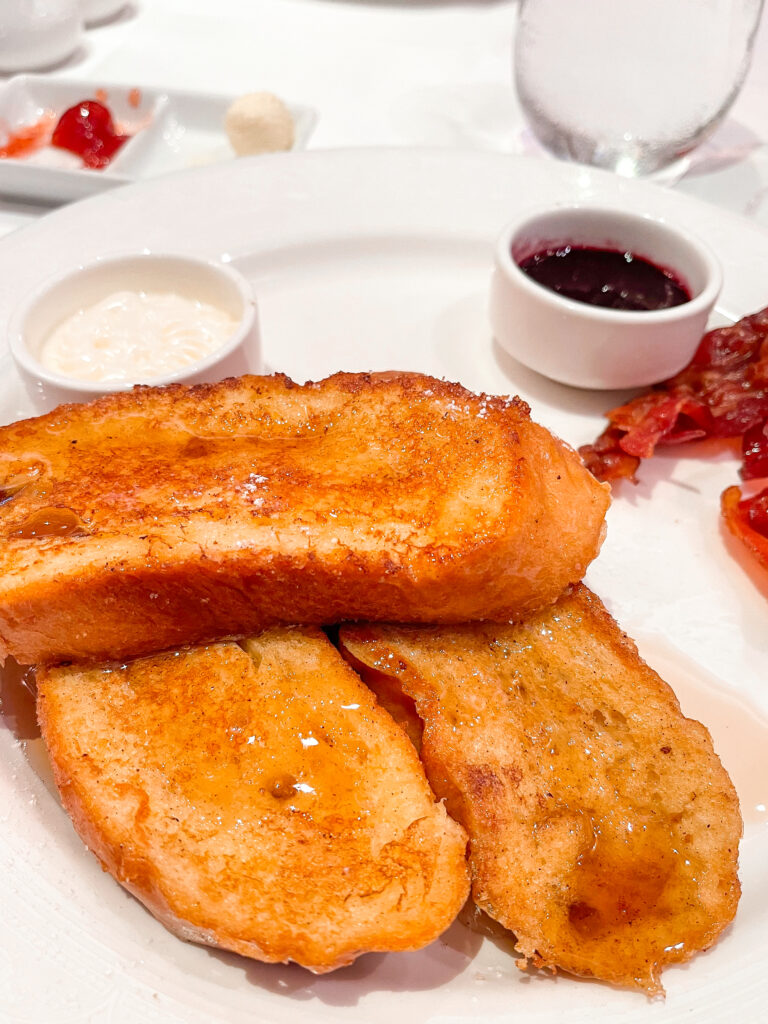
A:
170, 130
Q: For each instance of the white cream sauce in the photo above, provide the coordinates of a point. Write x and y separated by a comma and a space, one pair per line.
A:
135, 336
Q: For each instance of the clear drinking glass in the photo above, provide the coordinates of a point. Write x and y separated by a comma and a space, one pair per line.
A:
630, 85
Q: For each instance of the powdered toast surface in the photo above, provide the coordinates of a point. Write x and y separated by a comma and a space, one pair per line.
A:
258, 800
166, 516
603, 829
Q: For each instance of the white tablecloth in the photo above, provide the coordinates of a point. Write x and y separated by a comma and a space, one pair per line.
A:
403, 72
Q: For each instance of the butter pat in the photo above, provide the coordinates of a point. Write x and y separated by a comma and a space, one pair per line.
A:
259, 122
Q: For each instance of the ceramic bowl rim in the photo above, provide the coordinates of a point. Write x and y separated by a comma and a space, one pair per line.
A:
21, 353
704, 299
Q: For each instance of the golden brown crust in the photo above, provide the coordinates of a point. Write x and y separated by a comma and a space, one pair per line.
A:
256, 800
188, 514
603, 828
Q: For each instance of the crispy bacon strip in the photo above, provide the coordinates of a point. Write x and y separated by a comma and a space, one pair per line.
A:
754, 447
606, 460
723, 392
747, 519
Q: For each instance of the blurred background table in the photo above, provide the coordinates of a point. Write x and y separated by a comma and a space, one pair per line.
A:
385, 73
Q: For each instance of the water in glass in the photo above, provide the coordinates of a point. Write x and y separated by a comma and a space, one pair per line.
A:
630, 84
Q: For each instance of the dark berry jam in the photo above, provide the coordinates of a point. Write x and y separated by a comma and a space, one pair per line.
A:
605, 277
88, 130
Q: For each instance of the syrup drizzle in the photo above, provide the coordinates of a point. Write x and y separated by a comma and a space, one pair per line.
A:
17, 700
638, 876
10, 490
272, 754
51, 522
16, 483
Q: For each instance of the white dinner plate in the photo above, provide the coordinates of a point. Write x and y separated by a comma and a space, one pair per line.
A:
372, 260
170, 130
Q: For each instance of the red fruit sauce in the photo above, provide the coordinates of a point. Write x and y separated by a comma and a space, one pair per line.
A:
27, 139
87, 129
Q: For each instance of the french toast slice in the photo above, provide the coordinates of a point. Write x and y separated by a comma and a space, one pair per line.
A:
165, 516
256, 798
603, 828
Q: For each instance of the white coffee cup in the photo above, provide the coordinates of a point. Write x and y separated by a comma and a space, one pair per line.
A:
38, 33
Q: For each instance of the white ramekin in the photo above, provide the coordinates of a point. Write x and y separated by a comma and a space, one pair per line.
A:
205, 280
590, 346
